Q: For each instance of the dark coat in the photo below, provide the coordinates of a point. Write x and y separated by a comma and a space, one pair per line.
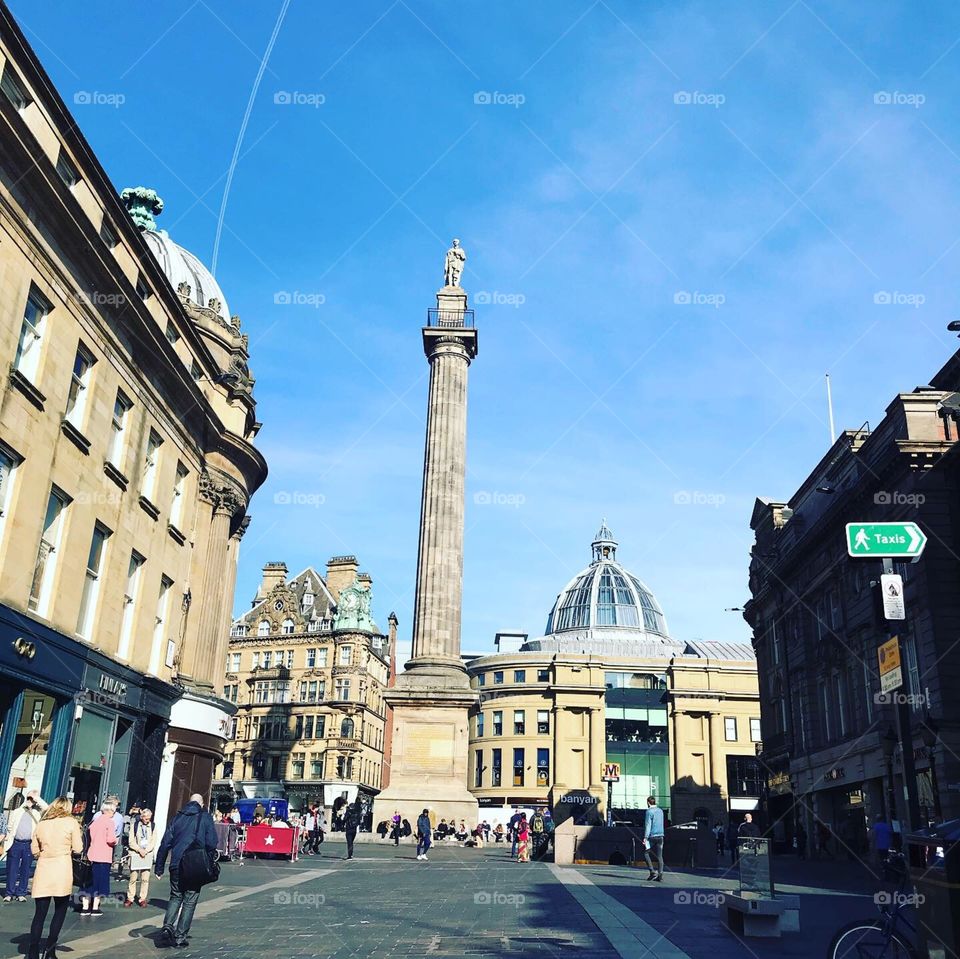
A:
179, 835
351, 822
423, 826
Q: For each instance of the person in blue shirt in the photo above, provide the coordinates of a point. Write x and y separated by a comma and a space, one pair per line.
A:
653, 838
423, 835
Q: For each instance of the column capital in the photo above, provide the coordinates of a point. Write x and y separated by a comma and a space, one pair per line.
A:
222, 492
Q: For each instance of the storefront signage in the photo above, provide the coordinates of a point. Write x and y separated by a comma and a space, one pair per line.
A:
891, 672
23, 647
779, 783
837, 772
610, 772
576, 799
113, 686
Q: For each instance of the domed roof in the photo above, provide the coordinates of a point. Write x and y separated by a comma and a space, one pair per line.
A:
606, 603
180, 265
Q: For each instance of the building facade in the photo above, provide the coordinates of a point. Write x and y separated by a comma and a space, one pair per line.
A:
306, 667
607, 684
126, 467
830, 737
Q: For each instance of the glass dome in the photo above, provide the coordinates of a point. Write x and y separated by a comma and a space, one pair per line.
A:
607, 596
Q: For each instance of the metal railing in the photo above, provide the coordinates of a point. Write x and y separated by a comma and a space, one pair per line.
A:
453, 319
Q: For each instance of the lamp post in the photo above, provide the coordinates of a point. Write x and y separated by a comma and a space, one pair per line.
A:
930, 733
888, 742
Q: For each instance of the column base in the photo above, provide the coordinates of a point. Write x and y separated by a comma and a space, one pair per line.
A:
428, 768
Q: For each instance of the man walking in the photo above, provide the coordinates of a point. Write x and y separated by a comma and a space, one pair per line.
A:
423, 835
514, 827
21, 825
653, 838
351, 824
193, 821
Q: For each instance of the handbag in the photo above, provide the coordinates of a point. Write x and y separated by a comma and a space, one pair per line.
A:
199, 866
82, 868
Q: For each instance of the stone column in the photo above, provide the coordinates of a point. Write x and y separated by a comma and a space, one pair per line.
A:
226, 501
449, 347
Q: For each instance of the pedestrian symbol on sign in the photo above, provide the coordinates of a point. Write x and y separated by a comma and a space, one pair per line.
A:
861, 541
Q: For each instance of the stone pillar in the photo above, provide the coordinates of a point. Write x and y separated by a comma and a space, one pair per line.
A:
431, 699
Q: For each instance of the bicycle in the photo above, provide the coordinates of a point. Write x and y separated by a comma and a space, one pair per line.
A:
889, 937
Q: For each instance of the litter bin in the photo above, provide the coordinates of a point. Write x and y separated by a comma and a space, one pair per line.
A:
935, 871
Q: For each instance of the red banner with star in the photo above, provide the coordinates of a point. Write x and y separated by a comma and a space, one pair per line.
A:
282, 842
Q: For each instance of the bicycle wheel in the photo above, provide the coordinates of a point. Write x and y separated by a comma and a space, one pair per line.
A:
867, 940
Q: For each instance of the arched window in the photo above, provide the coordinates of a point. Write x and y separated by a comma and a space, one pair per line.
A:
263, 627
346, 728
288, 626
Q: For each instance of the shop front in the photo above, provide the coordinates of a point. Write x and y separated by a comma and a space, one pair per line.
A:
74, 722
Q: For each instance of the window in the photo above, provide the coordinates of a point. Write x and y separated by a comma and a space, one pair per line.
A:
195, 372
108, 235
479, 725
322, 658
143, 291
497, 722
825, 712
519, 722
233, 722
519, 675
289, 659
66, 170
9, 462
543, 675
343, 689
267, 659
27, 360
755, 736
311, 691
298, 765
233, 663
151, 465
171, 333
347, 728
91, 582
543, 767
308, 727
255, 663
179, 495
344, 767
518, 767
496, 770
482, 679
316, 766
478, 770
321, 726
288, 627
498, 678
43, 572
730, 729
311, 658
263, 628
346, 655
543, 720
913, 672
79, 387
118, 426
13, 88
129, 604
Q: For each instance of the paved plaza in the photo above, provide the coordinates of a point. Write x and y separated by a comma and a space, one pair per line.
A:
462, 903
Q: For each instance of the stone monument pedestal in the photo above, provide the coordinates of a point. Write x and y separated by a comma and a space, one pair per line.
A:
430, 739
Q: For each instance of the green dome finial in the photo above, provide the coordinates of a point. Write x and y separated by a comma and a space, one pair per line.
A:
142, 204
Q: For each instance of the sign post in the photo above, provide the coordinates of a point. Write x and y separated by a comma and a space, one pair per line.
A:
891, 671
610, 774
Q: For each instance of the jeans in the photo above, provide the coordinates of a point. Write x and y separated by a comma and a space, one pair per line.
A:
423, 844
182, 902
655, 846
351, 835
18, 867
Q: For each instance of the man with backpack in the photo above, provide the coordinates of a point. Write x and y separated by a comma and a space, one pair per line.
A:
538, 832
192, 827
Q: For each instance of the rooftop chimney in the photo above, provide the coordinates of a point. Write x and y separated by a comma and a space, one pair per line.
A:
341, 572
274, 574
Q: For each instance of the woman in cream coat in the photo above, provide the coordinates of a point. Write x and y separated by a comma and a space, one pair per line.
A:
55, 839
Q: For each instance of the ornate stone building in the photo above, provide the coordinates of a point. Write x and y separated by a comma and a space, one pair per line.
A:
607, 684
306, 668
127, 463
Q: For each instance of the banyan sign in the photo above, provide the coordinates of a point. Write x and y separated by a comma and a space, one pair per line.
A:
885, 540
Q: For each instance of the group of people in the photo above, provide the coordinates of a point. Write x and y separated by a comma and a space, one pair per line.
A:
70, 856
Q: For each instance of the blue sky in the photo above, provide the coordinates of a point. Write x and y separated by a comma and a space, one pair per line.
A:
680, 215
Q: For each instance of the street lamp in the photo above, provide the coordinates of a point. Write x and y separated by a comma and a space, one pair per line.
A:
888, 742
930, 733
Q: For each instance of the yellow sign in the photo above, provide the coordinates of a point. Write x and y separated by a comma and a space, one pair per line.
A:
610, 772
891, 673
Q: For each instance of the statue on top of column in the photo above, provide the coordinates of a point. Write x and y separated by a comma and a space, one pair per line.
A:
453, 265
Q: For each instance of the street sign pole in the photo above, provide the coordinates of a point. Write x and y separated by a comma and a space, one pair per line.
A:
908, 767
609, 802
